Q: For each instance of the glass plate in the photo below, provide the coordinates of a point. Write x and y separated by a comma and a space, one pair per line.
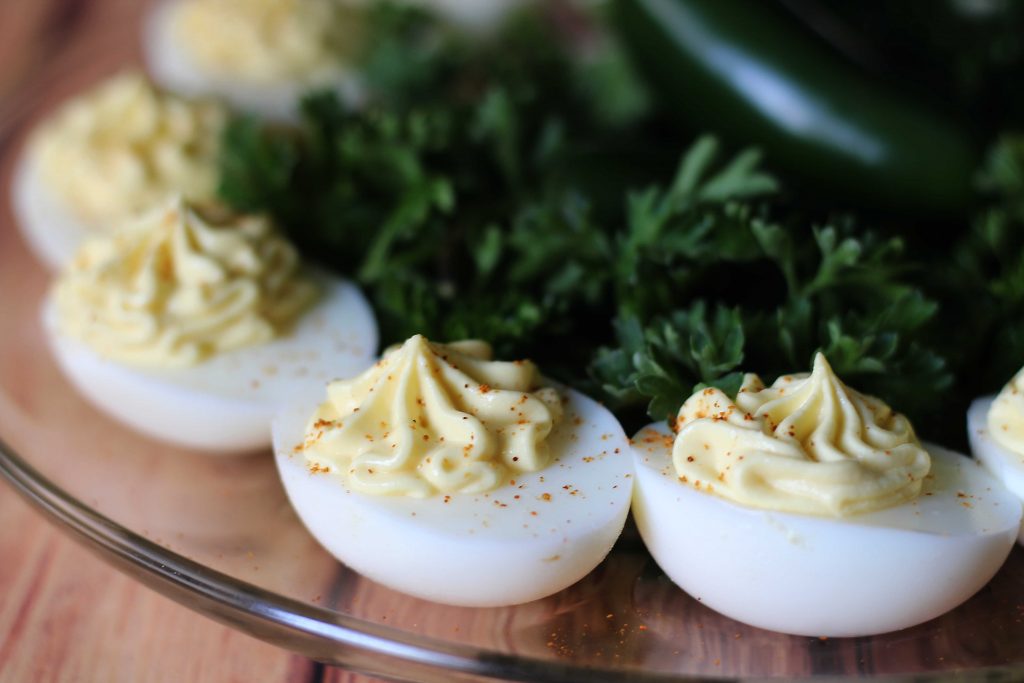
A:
218, 535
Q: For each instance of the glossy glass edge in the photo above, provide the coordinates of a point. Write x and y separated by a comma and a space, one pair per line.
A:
318, 633
314, 632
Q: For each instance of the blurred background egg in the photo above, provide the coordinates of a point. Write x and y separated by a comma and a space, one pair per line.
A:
260, 56
108, 154
192, 324
474, 15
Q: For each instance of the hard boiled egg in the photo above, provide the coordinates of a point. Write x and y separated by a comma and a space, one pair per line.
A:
531, 535
107, 155
867, 563
124, 355
815, 576
1004, 464
260, 56
47, 224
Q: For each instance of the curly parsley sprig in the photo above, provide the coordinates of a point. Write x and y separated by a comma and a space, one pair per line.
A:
486, 191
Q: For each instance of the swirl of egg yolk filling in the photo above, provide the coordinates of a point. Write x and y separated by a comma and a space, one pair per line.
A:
267, 40
433, 418
808, 444
124, 147
180, 284
1006, 416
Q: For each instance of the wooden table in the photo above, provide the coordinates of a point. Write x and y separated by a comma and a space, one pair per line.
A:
64, 614
67, 616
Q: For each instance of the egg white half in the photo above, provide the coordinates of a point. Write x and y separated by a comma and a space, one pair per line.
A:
816, 576
225, 404
48, 226
518, 543
1005, 465
171, 66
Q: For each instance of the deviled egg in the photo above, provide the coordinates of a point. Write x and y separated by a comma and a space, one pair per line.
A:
809, 508
456, 478
190, 326
995, 428
261, 56
109, 154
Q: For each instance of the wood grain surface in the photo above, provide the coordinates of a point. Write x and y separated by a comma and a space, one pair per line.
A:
67, 616
64, 614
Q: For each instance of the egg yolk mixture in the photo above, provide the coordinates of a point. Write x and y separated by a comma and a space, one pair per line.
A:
266, 40
124, 147
807, 444
178, 285
1006, 416
433, 418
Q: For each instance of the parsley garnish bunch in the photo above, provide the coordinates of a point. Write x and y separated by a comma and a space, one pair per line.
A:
510, 189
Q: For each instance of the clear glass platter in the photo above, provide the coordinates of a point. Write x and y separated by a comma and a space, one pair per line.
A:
218, 535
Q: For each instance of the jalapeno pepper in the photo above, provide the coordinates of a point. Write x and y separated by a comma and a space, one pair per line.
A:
745, 69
